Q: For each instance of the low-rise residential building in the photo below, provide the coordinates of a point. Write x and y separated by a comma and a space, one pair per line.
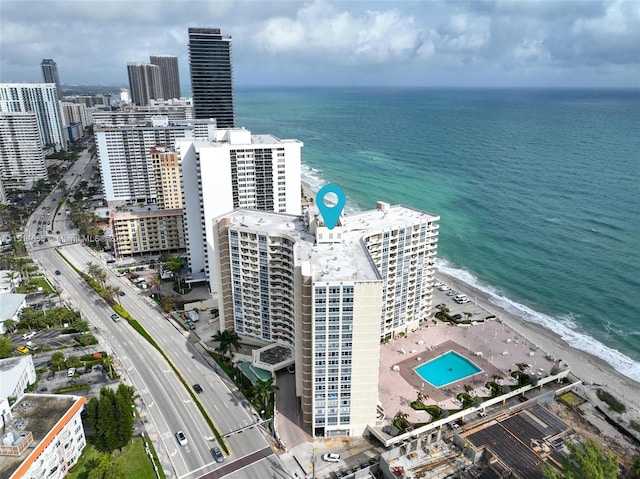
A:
151, 231
16, 374
42, 436
9, 281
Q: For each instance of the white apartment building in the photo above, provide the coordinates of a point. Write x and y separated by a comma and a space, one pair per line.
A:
43, 437
134, 115
234, 169
16, 374
125, 156
333, 295
21, 152
42, 100
3, 193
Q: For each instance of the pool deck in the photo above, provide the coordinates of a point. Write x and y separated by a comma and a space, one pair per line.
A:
501, 347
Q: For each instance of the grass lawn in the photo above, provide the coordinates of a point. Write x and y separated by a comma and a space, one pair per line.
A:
134, 462
43, 283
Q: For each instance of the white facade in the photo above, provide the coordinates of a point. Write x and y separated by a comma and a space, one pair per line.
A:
125, 158
16, 374
333, 295
10, 307
41, 99
43, 452
21, 151
175, 111
234, 170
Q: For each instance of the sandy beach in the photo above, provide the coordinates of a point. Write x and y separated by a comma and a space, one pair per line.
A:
593, 371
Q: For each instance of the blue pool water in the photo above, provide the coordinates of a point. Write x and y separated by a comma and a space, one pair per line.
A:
446, 369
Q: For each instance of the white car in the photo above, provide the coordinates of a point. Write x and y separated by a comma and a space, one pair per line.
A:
331, 457
30, 335
181, 438
444, 287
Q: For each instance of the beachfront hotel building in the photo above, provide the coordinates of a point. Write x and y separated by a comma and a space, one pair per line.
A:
331, 294
42, 100
211, 71
124, 154
174, 111
42, 436
233, 169
21, 153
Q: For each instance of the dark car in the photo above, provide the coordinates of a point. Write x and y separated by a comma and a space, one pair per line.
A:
57, 272
217, 454
197, 388
121, 293
50, 375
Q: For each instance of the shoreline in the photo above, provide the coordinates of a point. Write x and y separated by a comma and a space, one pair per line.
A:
592, 370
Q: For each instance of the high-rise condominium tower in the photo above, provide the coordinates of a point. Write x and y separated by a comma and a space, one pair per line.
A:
50, 74
211, 75
169, 74
234, 169
41, 99
144, 82
329, 295
21, 153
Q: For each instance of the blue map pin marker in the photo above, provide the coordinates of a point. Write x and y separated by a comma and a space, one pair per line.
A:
330, 214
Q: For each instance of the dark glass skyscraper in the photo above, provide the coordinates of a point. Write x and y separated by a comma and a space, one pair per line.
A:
50, 74
211, 75
169, 75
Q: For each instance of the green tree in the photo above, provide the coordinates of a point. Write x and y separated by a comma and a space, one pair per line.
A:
6, 348
113, 292
91, 413
168, 303
106, 424
10, 325
586, 460
97, 273
175, 264
57, 360
72, 362
264, 392
634, 468
228, 340
106, 469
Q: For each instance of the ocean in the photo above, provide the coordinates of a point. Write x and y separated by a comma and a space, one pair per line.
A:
537, 189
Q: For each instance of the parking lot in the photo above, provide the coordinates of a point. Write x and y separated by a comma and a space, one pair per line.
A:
95, 376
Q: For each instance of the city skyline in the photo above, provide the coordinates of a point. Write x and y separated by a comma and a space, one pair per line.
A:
484, 44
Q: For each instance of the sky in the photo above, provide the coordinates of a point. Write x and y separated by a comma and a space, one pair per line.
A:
543, 43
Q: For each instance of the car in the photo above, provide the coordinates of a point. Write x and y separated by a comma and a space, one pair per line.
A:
444, 287
50, 375
58, 232
57, 272
27, 336
115, 317
452, 293
23, 349
197, 388
331, 457
217, 454
181, 438
441, 305
191, 325
121, 293
71, 372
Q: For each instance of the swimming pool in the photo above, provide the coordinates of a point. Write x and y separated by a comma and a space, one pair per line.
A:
447, 368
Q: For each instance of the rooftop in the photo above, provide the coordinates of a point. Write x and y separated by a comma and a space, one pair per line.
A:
344, 260
37, 414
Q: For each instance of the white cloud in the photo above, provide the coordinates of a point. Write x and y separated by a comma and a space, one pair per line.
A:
319, 31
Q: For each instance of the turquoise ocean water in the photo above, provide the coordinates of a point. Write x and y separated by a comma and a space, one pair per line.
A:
538, 190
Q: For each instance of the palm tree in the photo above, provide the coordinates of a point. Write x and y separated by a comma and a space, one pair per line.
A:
107, 362
421, 398
264, 392
175, 264
97, 273
228, 340
113, 292
634, 469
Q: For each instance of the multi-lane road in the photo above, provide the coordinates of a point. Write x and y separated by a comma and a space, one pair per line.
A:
168, 403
